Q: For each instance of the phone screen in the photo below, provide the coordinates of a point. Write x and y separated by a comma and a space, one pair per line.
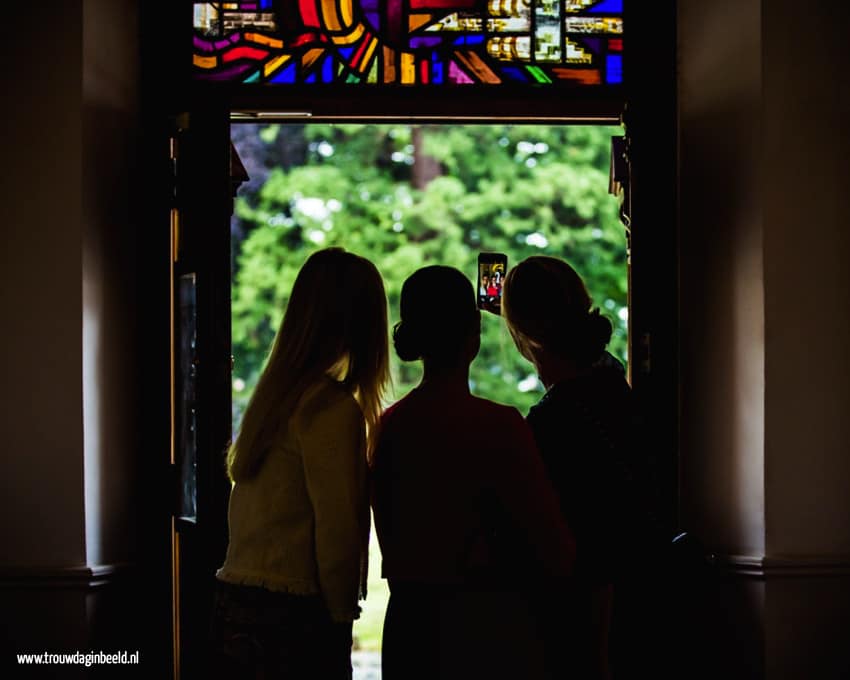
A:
492, 268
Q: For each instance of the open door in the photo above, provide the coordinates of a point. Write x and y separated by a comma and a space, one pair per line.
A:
200, 369
242, 66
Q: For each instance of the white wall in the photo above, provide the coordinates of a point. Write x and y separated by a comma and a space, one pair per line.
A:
43, 490
807, 279
807, 332
721, 271
69, 289
70, 420
765, 309
112, 198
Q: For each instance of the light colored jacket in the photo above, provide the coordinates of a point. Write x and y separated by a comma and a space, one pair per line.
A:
298, 525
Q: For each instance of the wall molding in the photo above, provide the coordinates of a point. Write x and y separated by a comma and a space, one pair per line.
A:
83, 577
769, 567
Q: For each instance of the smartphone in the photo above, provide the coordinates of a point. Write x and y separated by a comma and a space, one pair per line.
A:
490, 276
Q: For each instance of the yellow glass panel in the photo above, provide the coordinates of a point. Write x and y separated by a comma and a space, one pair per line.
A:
367, 57
347, 12
204, 62
417, 20
478, 67
576, 54
276, 63
351, 37
389, 65
408, 68
330, 15
310, 57
263, 40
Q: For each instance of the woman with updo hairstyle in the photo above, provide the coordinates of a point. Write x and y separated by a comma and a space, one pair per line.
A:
584, 426
549, 315
437, 324
465, 516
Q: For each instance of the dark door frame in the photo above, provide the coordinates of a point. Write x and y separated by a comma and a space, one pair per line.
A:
647, 107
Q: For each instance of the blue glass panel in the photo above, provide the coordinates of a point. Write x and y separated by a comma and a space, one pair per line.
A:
613, 69
609, 7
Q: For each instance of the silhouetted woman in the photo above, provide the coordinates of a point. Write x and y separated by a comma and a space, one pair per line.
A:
299, 513
583, 426
465, 516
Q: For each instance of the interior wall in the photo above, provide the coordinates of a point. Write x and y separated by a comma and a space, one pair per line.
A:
763, 105
42, 496
68, 293
42, 482
807, 320
721, 269
72, 196
111, 196
807, 249
721, 327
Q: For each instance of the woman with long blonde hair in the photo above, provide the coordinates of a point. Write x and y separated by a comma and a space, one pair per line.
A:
298, 517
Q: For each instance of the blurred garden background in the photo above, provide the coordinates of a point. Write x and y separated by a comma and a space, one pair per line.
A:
406, 196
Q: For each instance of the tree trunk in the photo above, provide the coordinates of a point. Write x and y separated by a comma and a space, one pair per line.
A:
425, 168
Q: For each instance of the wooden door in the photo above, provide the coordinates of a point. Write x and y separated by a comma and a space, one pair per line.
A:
201, 366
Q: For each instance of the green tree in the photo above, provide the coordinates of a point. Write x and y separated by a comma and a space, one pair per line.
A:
405, 197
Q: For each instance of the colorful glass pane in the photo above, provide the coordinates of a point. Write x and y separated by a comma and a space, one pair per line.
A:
410, 42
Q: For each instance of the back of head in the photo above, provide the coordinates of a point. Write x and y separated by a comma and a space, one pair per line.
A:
335, 323
439, 316
337, 308
546, 305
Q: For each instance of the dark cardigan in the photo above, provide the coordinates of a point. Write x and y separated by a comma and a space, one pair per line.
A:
589, 438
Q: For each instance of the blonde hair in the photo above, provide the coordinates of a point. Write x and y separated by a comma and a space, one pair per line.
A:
335, 324
546, 305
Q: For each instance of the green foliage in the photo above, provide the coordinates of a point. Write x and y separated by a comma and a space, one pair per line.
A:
368, 629
519, 189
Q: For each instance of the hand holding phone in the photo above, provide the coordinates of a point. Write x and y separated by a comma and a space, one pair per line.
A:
490, 277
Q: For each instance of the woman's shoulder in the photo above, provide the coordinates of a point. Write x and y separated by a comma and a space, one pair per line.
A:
497, 413
603, 383
326, 398
468, 406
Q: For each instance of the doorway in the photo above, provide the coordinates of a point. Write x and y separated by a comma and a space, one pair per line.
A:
407, 195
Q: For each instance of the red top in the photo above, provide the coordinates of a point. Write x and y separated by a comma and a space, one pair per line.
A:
449, 464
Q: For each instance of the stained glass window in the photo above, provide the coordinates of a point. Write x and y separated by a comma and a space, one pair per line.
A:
410, 42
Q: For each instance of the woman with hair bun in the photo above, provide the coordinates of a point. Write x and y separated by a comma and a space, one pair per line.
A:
465, 516
584, 426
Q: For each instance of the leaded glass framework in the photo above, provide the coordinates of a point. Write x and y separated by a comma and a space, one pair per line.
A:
433, 43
